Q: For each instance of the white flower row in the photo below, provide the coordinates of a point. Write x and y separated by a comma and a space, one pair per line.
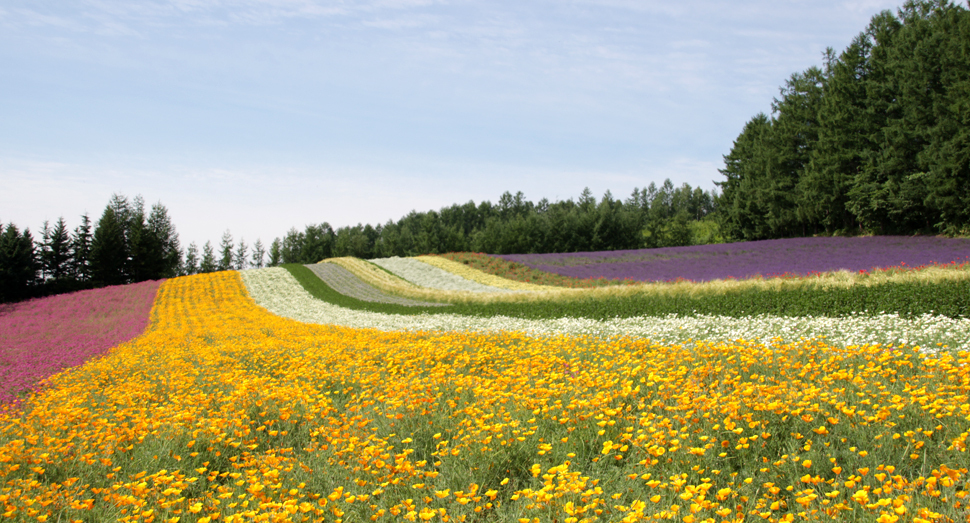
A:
426, 275
280, 293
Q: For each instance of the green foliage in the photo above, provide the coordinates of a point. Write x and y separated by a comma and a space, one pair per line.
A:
109, 250
876, 142
18, 265
208, 263
55, 250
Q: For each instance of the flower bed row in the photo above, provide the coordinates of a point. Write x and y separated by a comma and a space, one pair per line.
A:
936, 290
346, 283
474, 274
41, 337
429, 276
799, 256
520, 272
224, 412
279, 292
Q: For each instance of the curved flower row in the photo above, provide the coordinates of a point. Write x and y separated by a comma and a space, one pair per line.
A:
280, 293
426, 275
472, 274
44, 336
391, 283
348, 284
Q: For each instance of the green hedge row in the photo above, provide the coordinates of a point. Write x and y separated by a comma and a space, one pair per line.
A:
950, 299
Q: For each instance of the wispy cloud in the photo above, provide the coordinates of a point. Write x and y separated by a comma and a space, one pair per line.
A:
419, 102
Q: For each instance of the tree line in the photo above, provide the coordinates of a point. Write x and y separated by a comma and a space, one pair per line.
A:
651, 217
130, 243
877, 140
127, 244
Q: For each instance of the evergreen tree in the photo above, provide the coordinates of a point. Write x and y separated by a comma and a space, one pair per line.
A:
225, 252
259, 254
291, 249
747, 167
208, 263
943, 40
144, 249
275, 253
317, 243
109, 255
18, 263
845, 128
56, 251
162, 233
794, 135
191, 264
239, 258
81, 250
884, 198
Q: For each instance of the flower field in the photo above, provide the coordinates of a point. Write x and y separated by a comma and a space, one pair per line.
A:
223, 411
519, 272
44, 336
427, 275
348, 284
798, 256
280, 293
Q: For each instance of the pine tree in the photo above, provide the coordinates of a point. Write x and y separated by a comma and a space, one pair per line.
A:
191, 264
166, 253
109, 255
750, 161
794, 134
259, 253
225, 252
18, 263
208, 263
239, 258
56, 253
81, 250
845, 127
275, 253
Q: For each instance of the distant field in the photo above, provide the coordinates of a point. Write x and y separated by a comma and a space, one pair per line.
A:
799, 256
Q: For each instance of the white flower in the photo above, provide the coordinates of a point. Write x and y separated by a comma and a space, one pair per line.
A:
280, 293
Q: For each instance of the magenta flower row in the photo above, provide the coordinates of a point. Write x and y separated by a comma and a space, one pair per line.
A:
41, 337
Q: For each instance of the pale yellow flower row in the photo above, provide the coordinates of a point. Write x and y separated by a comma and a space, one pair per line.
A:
482, 277
390, 283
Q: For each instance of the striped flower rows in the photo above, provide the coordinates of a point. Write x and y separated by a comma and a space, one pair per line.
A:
221, 412
348, 284
280, 293
426, 275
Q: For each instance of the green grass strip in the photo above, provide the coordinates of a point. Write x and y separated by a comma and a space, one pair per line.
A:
944, 298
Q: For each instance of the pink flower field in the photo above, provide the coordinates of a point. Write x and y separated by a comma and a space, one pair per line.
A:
41, 337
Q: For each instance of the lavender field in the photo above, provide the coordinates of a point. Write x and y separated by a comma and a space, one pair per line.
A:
795, 256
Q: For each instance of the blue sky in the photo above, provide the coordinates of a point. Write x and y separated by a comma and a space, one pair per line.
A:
260, 115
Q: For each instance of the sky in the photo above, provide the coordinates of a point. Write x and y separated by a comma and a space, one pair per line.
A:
255, 116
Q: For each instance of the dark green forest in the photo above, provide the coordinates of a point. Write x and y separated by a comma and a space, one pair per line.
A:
875, 141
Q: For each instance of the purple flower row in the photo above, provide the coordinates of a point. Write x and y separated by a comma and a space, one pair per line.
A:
800, 256
41, 337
